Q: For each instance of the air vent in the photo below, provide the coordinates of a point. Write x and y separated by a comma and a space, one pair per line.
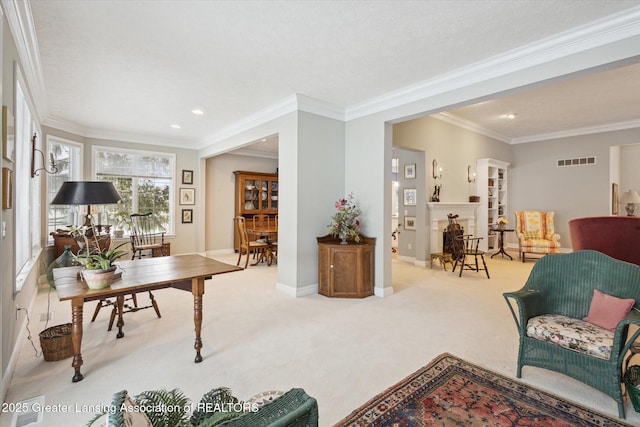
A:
581, 161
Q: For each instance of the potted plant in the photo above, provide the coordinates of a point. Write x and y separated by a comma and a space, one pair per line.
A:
97, 263
345, 223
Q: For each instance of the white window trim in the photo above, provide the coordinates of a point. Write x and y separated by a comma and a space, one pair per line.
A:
50, 140
94, 175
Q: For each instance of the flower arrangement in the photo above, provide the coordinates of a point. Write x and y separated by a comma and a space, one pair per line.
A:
502, 221
345, 223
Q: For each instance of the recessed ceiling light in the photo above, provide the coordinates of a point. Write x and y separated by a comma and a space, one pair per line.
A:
197, 111
510, 116
176, 126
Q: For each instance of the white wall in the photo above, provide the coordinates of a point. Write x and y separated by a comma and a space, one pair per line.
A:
220, 196
537, 183
629, 174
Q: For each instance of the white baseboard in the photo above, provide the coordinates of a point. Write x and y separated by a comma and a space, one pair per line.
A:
383, 292
297, 292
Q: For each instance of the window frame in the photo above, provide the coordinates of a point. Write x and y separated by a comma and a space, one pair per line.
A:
51, 139
170, 230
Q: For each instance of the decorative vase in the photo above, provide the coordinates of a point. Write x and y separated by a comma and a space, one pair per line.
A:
66, 259
343, 240
500, 226
98, 279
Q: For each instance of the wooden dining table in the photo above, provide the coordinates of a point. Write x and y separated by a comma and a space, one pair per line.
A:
267, 234
184, 272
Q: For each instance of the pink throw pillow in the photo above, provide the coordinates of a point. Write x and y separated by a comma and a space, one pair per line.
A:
607, 311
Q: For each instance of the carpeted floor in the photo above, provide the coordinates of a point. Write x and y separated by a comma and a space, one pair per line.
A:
452, 392
341, 351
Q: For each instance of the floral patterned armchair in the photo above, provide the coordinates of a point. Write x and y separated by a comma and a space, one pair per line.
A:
536, 234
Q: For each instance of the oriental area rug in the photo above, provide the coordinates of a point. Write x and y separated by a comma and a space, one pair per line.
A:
452, 392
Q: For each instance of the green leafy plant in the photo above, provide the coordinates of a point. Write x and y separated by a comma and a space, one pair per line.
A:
171, 408
121, 216
92, 256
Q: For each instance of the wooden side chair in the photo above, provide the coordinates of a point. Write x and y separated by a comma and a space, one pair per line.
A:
145, 236
247, 247
464, 248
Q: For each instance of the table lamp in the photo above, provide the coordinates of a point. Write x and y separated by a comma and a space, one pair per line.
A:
630, 197
87, 193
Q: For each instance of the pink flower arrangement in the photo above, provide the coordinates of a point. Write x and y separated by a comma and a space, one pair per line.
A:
345, 223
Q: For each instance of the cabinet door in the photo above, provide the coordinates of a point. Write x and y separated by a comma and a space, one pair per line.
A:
274, 195
344, 272
250, 194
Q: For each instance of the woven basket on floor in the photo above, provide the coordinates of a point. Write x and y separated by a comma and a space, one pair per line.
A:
56, 342
631, 380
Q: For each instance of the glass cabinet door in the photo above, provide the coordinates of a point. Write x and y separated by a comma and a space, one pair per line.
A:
250, 192
274, 195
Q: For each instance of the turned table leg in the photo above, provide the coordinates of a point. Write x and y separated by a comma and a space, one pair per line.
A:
197, 288
120, 324
77, 308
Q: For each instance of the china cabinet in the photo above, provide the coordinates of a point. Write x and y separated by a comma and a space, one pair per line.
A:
345, 270
256, 194
492, 187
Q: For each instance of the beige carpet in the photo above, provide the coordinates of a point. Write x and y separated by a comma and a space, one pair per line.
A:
341, 351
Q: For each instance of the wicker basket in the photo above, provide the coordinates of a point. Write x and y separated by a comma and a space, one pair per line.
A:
56, 342
631, 380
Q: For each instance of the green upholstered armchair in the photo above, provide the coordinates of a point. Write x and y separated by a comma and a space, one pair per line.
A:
549, 309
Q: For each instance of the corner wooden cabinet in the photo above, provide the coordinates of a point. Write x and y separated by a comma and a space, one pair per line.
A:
345, 270
256, 194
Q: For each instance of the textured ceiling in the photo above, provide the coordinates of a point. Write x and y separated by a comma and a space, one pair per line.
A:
136, 67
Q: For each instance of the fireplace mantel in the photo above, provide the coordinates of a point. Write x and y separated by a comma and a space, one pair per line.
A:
438, 212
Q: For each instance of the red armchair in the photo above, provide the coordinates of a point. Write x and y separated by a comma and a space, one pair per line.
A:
616, 236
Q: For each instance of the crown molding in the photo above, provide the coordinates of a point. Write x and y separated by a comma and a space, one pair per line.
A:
610, 29
22, 29
469, 125
612, 127
254, 153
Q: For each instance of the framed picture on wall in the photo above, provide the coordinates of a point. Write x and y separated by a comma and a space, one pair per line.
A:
409, 196
410, 171
409, 222
187, 196
614, 199
187, 177
187, 216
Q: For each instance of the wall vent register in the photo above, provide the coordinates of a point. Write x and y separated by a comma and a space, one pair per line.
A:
581, 161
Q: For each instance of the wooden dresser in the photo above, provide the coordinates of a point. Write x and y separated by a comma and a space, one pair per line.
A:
346, 270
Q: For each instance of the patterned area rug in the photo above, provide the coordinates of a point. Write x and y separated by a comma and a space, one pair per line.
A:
452, 392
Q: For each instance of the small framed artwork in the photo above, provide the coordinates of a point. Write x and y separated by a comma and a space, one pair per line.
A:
409, 196
409, 222
187, 177
8, 135
187, 196
614, 199
187, 216
7, 188
410, 171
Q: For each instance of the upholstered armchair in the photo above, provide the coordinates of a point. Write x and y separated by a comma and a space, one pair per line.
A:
536, 234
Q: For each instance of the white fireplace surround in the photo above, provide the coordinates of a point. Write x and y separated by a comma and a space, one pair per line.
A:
438, 212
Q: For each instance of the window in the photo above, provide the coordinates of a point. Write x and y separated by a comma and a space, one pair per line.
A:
68, 155
27, 205
144, 179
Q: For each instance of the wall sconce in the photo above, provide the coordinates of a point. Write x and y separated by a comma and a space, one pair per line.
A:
470, 178
34, 171
437, 172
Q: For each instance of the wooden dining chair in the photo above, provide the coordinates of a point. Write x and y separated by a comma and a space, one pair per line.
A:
247, 247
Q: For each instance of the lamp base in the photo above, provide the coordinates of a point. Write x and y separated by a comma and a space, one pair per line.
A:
630, 208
